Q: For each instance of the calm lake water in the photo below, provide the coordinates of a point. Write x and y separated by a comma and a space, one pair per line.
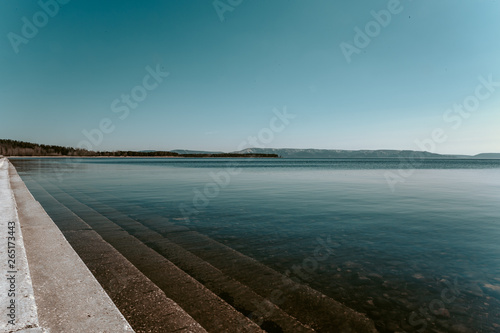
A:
422, 255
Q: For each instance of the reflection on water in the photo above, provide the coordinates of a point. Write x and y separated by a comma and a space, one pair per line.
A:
425, 257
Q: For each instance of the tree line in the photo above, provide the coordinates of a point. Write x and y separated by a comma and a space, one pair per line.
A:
22, 148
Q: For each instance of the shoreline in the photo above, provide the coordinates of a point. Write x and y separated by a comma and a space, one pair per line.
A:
218, 295
260, 157
56, 278
143, 157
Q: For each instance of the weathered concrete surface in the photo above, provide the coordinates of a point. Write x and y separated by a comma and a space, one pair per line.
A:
68, 297
17, 303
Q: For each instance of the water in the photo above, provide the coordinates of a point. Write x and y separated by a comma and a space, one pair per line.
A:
422, 256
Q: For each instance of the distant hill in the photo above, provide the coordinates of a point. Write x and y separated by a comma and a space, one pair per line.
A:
487, 155
327, 153
21, 148
332, 153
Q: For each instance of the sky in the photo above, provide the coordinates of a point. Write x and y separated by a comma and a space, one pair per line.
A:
228, 74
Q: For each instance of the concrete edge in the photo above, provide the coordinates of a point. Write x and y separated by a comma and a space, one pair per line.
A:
19, 311
68, 297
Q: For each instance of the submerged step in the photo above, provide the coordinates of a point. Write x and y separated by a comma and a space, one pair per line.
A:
302, 302
213, 313
240, 296
145, 306
67, 296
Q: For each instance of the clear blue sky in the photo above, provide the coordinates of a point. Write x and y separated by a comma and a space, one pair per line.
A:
226, 77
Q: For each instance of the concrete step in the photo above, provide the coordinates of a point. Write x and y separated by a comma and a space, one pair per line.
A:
240, 296
68, 298
307, 305
213, 313
144, 305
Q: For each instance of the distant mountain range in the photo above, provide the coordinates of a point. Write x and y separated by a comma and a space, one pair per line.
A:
487, 155
335, 153
20, 148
